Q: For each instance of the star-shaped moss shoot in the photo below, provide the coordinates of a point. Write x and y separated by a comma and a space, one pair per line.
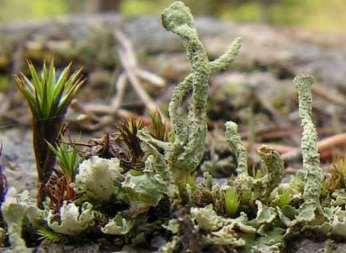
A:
48, 96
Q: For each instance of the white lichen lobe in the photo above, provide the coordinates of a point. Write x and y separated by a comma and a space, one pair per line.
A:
98, 179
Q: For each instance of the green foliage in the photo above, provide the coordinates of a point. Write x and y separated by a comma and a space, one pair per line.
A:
67, 158
315, 15
284, 199
50, 235
47, 95
231, 201
320, 15
33, 9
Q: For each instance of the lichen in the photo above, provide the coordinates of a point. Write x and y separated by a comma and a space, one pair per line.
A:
190, 129
237, 146
158, 191
73, 220
144, 190
98, 179
117, 226
274, 168
207, 218
15, 209
311, 158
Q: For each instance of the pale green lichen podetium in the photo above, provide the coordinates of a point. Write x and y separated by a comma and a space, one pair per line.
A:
243, 183
274, 167
190, 130
234, 140
311, 158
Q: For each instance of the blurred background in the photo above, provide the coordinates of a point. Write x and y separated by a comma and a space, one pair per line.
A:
316, 15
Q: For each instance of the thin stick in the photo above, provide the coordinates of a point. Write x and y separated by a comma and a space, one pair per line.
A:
151, 78
323, 145
121, 87
126, 62
129, 62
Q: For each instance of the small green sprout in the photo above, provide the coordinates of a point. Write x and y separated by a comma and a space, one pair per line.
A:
67, 158
284, 199
231, 201
50, 235
48, 97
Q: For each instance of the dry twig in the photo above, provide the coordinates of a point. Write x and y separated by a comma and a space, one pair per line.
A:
103, 114
323, 146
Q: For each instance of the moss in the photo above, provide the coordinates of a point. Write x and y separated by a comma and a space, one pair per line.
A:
155, 189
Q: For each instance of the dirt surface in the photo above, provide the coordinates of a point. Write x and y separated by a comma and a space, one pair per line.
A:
268, 61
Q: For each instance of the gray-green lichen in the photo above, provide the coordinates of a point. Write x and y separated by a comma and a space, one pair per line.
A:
250, 212
98, 179
234, 140
73, 220
311, 158
144, 189
273, 166
190, 139
15, 209
190, 130
117, 226
207, 218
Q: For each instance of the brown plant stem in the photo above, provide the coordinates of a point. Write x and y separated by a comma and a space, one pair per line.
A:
45, 131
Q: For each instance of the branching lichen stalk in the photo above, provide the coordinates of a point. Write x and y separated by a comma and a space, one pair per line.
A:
177, 116
190, 130
178, 19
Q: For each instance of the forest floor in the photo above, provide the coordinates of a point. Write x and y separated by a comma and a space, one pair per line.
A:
133, 72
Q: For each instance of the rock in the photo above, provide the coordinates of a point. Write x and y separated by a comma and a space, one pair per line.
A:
18, 159
57, 248
308, 246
